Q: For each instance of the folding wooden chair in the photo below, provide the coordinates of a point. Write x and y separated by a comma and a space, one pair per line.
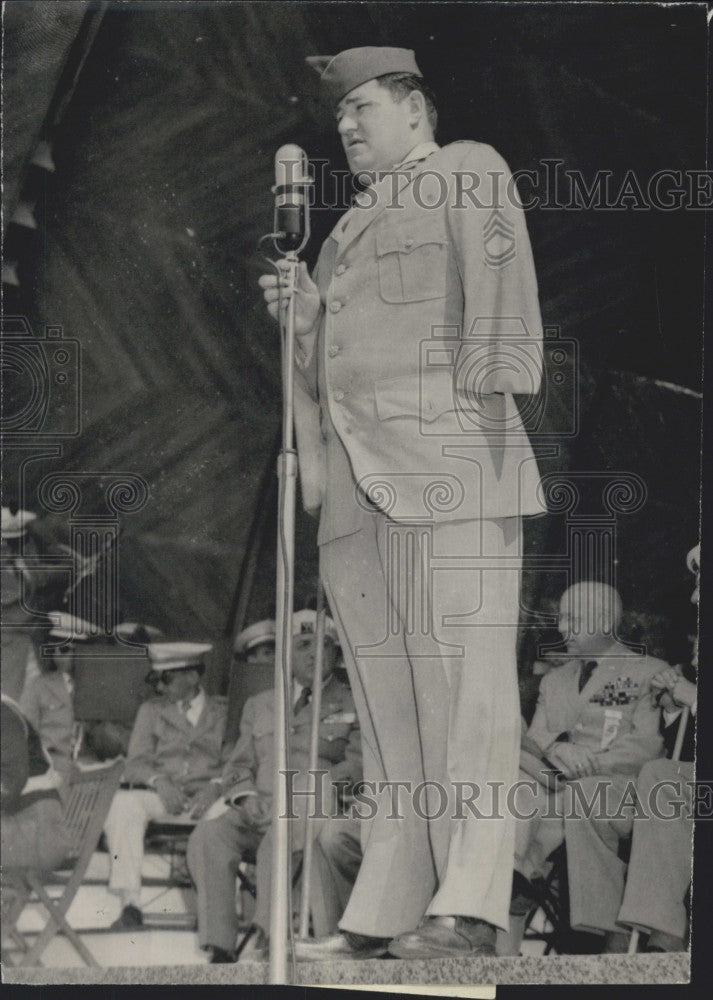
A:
169, 839
85, 812
551, 902
247, 886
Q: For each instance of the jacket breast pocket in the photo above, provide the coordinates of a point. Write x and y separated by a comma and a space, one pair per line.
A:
412, 260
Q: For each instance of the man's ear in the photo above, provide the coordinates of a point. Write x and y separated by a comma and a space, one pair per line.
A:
417, 107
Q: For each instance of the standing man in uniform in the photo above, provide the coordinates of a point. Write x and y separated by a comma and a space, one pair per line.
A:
419, 323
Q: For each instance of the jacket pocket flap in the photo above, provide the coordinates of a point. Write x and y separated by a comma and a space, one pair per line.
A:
426, 396
407, 236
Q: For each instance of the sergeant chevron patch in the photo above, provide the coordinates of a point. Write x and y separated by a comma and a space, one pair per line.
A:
498, 240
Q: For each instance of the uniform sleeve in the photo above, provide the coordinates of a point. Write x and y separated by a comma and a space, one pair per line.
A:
306, 344
226, 752
310, 448
141, 756
643, 742
241, 768
350, 771
501, 349
308, 429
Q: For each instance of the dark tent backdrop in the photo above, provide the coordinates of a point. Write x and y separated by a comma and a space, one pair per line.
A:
147, 253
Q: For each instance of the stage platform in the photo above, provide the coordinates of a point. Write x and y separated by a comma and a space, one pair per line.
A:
555, 970
166, 952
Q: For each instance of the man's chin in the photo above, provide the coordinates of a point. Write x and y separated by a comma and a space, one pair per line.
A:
359, 160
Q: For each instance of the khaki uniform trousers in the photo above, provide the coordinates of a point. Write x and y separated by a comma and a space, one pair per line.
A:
215, 849
429, 644
217, 846
591, 815
335, 864
661, 850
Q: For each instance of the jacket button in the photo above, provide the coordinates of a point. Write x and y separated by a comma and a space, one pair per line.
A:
334, 307
339, 395
333, 351
340, 268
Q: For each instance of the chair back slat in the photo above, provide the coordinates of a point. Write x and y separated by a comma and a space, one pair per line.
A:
89, 796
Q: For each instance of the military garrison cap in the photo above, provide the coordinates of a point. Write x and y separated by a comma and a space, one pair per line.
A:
341, 73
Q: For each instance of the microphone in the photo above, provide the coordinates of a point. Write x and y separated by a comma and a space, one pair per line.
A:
291, 228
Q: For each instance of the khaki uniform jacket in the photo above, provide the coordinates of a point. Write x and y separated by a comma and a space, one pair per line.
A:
613, 715
47, 704
163, 741
429, 323
250, 767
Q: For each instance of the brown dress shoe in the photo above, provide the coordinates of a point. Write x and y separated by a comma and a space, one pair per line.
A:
345, 945
433, 939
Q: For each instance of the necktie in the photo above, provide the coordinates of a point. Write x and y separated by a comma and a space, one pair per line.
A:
303, 700
586, 671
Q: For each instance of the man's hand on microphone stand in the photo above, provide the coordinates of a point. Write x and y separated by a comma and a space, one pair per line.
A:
277, 295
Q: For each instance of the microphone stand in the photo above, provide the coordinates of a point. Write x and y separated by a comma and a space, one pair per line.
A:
308, 851
281, 883
287, 480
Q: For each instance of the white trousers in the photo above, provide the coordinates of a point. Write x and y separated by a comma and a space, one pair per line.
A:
125, 827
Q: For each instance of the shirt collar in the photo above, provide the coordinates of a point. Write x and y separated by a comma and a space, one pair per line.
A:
197, 701
419, 152
298, 688
383, 186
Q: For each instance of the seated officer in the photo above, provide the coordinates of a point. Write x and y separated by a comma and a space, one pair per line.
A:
256, 644
47, 700
218, 844
596, 724
175, 752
